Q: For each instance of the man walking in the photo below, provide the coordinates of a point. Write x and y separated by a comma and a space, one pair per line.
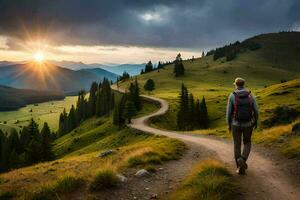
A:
242, 115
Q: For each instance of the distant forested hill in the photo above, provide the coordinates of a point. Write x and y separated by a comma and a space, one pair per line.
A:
12, 98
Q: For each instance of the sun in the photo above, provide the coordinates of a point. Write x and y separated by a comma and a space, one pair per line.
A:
39, 57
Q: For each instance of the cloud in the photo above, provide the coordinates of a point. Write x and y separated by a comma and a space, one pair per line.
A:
156, 23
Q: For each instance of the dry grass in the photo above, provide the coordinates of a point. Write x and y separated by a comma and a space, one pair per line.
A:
210, 180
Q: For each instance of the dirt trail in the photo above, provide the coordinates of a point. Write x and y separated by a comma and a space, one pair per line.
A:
264, 179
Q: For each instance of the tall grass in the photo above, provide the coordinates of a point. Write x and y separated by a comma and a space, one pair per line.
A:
64, 184
210, 180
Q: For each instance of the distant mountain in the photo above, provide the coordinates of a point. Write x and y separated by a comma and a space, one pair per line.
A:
6, 63
12, 98
101, 73
132, 69
48, 77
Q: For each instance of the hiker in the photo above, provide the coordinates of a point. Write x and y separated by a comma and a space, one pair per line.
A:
242, 115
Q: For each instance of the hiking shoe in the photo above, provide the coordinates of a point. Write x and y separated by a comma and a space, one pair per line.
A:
242, 164
241, 171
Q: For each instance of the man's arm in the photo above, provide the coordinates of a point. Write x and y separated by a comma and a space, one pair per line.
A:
229, 110
256, 111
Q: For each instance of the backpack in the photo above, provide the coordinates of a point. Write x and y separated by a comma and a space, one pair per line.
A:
243, 106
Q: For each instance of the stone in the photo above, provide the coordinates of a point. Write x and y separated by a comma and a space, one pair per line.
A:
122, 178
142, 173
296, 129
105, 153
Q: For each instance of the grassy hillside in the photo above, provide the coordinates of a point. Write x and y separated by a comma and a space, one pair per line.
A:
263, 69
213, 78
79, 166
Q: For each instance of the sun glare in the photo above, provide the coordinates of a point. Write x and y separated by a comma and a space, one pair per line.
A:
39, 56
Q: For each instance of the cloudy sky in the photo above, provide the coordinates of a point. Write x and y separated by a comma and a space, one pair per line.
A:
134, 31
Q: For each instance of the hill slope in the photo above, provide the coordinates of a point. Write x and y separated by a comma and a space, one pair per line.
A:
213, 78
12, 98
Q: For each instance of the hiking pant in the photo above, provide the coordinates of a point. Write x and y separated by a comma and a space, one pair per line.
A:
238, 133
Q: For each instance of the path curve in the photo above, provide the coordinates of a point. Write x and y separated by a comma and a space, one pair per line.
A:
264, 180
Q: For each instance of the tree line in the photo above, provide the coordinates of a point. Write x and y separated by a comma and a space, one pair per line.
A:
149, 66
128, 105
101, 102
230, 51
191, 114
27, 147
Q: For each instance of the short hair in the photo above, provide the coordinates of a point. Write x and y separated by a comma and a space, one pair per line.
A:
240, 82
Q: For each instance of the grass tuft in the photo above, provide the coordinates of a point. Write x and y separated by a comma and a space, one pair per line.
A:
104, 179
63, 185
209, 180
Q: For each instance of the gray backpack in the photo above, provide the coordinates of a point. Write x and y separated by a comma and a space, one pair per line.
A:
243, 106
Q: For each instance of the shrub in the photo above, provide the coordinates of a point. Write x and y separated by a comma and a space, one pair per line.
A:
281, 115
104, 179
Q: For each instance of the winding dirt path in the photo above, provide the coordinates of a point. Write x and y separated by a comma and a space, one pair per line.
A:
264, 179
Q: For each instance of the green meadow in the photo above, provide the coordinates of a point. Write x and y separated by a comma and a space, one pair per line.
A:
43, 112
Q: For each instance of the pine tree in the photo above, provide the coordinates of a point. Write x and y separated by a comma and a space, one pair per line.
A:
191, 118
149, 85
160, 65
130, 110
149, 67
46, 152
178, 66
197, 120
80, 108
63, 123
203, 54
204, 119
183, 113
72, 119
92, 99
34, 147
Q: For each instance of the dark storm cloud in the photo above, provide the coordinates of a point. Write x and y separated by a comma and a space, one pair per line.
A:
166, 23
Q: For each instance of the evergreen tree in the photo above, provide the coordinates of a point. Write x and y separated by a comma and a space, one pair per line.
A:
149, 67
204, 119
92, 99
130, 110
80, 108
63, 123
142, 71
34, 147
160, 65
149, 85
178, 66
203, 54
183, 113
191, 118
72, 119
46, 152
197, 120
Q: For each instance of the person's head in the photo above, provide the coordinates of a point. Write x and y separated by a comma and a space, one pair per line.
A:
239, 82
